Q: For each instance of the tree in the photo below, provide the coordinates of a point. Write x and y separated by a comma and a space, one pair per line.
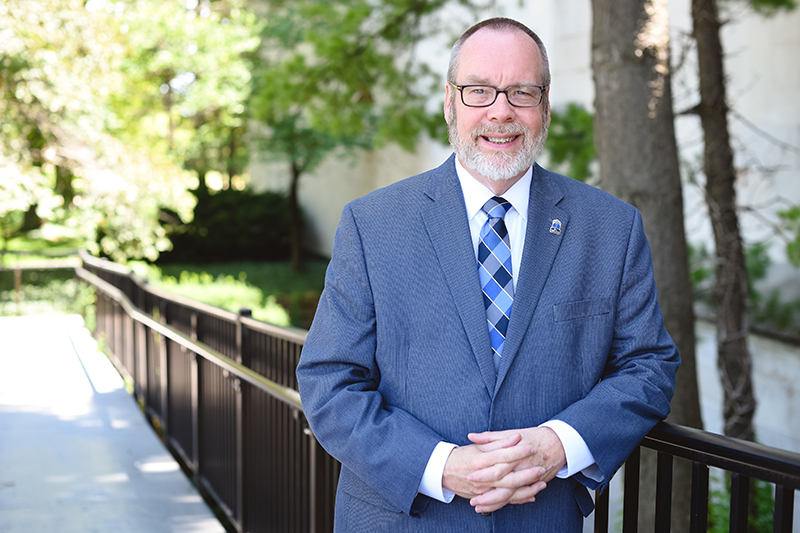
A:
20, 193
730, 293
58, 69
635, 137
104, 102
340, 75
731, 282
186, 74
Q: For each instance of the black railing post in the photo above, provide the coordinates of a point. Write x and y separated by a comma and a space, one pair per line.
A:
118, 336
784, 510
239, 511
241, 437
163, 368
630, 503
312, 480
140, 377
663, 492
740, 500
699, 519
195, 394
601, 510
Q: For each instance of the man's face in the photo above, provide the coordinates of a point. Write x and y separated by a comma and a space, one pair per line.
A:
499, 142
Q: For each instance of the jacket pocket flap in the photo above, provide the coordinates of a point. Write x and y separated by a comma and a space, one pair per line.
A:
581, 309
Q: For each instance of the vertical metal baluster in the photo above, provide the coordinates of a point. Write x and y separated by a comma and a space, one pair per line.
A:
784, 510
312, 484
194, 391
699, 518
601, 510
240, 431
630, 506
162, 362
740, 500
663, 492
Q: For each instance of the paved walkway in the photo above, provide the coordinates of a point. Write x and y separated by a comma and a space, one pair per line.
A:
76, 454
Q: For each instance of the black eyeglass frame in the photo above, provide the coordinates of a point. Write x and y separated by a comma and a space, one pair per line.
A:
497, 92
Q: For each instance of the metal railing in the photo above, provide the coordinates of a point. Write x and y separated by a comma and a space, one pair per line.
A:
221, 389
745, 461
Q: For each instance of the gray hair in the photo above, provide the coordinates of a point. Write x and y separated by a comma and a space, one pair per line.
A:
500, 24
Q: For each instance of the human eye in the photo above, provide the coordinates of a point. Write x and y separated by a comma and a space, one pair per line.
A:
478, 90
525, 94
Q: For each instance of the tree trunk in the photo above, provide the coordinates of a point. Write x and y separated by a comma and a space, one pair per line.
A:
730, 291
635, 137
295, 222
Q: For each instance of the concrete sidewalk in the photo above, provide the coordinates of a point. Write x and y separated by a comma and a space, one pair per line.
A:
76, 453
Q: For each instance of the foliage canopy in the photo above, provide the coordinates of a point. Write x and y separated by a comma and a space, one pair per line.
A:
103, 102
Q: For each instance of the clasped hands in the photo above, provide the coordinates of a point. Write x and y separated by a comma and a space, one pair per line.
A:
504, 467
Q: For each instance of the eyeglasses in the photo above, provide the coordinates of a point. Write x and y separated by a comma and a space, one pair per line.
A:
485, 95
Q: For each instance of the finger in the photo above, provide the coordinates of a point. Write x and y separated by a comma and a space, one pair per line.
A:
527, 494
509, 456
499, 497
492, 474
492, 436
502, 477
491, 500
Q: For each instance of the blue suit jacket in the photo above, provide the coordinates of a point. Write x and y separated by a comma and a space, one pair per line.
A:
398, 357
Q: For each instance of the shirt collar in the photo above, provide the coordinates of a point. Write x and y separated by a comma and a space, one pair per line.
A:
476, 194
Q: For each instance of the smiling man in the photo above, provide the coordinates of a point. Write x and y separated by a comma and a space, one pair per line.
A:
489, 342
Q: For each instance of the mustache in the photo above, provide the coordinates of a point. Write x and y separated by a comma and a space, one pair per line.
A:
511, 128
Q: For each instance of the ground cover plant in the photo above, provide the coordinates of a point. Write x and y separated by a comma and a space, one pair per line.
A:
272, 290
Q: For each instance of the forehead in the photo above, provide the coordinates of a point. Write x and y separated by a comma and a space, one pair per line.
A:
499, 56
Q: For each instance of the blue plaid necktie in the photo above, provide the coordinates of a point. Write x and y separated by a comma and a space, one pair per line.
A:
494, 269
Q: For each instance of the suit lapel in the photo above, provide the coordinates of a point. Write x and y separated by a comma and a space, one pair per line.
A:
445, 220
541, 247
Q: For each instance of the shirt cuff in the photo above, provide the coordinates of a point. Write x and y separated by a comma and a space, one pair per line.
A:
579, 457
431, 483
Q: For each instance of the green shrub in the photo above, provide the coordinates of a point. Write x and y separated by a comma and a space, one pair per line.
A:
47, 291
230, 225
223, 291
760, 511
297, 292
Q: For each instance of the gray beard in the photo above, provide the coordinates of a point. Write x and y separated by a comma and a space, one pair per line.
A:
498, 166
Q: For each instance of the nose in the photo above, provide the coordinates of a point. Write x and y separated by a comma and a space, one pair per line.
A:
501, 110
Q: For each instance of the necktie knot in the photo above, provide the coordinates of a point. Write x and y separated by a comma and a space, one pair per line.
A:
496, 207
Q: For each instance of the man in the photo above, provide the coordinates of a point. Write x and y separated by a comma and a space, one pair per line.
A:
489, 343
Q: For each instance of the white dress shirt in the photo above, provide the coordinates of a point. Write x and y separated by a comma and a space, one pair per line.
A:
579, 458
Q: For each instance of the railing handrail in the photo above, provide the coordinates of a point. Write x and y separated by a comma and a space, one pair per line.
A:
748, 458
45, 252
284, 394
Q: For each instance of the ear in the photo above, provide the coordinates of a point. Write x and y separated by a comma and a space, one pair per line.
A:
447, 99
547, 98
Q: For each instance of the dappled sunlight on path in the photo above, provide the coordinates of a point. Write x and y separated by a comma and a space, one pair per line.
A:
76, 453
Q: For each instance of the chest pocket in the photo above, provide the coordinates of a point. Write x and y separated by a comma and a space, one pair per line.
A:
581, 309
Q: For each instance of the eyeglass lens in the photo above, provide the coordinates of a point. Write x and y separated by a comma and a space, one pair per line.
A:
485, 95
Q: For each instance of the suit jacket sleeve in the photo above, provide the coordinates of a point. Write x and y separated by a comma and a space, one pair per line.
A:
339, 382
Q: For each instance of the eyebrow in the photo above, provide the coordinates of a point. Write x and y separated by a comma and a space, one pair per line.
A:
477, 80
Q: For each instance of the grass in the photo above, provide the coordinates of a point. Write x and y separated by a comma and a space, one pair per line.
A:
272, 290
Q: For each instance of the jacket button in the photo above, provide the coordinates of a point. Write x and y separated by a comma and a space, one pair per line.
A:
487, 514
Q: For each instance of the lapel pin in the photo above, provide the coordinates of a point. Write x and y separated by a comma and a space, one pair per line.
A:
555, 227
